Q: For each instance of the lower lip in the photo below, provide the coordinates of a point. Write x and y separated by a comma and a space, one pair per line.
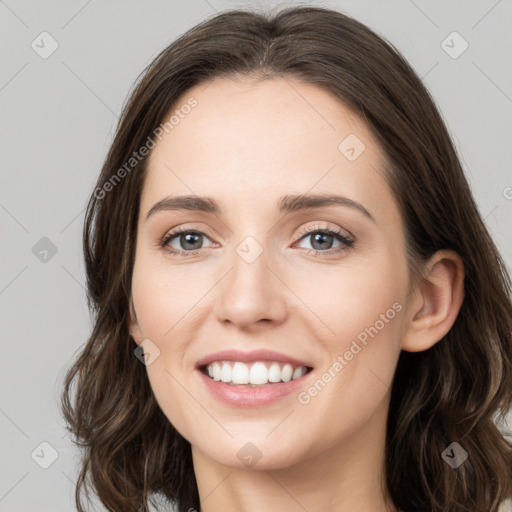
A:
245, 396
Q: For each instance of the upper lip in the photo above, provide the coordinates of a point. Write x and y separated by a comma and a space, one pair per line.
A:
251, 357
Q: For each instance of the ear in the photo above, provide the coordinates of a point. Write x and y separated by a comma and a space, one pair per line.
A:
435, 303
133, 325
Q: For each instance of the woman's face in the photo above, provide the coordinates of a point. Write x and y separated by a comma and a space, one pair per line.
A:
268, 286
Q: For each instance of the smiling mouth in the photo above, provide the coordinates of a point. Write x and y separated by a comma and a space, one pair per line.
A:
255, 374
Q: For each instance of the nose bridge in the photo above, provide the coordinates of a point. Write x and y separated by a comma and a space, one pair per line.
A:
250, 291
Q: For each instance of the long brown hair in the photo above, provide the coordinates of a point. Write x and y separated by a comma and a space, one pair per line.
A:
452, 392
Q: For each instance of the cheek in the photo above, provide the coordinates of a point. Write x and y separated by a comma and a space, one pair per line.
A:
163, 299
358, 319
162, 317
167, 305
362, 304
179, 406
347, 299
363, 309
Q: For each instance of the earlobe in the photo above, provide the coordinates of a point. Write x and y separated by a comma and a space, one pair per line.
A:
436, 302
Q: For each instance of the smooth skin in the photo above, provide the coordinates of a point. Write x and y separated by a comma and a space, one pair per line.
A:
246, 144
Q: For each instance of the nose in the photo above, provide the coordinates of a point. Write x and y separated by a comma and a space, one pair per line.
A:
251, 295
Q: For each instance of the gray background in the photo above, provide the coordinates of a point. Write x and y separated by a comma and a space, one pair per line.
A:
58, 119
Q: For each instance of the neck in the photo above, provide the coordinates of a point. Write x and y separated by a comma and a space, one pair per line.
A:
347, 477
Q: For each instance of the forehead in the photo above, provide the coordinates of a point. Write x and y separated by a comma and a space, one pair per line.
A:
246, 140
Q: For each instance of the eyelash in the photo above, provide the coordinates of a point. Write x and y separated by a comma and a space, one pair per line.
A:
349, 243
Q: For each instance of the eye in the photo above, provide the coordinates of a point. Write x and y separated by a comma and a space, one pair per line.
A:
190, 240
322, 240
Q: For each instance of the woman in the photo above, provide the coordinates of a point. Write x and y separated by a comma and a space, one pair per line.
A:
255, 369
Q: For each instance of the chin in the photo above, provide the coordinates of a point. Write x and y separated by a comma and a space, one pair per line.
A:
254, 453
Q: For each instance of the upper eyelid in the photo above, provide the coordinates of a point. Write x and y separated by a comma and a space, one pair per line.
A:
337, 230
309, 229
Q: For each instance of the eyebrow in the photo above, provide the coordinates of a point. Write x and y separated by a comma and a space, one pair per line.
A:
286, 204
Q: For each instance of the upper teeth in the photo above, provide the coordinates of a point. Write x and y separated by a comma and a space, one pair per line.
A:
257, 373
